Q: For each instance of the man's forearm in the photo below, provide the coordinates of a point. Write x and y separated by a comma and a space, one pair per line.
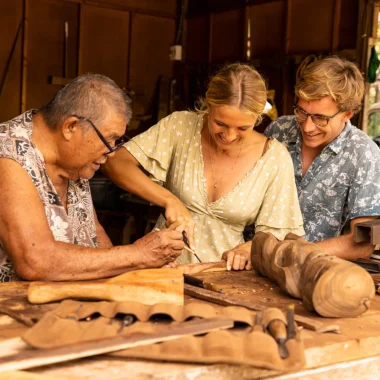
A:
73, 262
344, 247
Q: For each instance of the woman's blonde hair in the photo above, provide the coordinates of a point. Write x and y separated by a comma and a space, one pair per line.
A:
335, 77
236, 85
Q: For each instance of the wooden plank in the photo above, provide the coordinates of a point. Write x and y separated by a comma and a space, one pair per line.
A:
104, 43
150, 40
37, 358
227, 37
336, 24
162, 8
197, 39
45, 48
311, 26
261, 18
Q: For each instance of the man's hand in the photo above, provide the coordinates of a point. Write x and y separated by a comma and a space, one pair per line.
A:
159, 248
239, 258
178, 218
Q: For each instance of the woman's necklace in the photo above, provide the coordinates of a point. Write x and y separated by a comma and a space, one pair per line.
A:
212, 166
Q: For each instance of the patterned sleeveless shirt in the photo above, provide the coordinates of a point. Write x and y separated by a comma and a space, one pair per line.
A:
77, 225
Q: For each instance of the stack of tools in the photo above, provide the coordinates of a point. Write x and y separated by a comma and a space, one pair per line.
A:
233, 335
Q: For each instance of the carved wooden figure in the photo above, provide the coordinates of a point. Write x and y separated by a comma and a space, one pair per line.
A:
331, 286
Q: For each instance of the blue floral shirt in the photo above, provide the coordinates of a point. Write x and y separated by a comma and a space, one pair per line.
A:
342, 183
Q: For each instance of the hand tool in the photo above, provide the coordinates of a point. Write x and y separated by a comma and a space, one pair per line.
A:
128, 320
258, 326
218, 266
370, 265
148, 286
226, 300
277, 329
74, 314
218, 298
38, 358
187, 246
191, 280
290, 330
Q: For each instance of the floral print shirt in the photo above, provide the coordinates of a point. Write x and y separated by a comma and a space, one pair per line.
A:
342, 183
171, 152
77, 225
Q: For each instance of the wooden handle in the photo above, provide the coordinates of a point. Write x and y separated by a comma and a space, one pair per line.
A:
203, 267
277, 329
148, 286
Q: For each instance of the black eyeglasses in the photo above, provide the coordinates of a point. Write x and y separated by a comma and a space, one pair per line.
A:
118, 143
318, 120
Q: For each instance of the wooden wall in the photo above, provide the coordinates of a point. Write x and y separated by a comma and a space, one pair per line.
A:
282, 34
127, 40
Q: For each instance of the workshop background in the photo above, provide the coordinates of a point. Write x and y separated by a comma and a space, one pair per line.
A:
45, 43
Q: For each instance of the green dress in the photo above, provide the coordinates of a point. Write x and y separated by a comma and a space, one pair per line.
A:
171, 152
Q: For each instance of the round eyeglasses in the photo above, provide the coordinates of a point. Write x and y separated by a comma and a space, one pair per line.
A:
319, 120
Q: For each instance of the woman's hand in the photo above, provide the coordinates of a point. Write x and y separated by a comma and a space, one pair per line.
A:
179, 218
239, 258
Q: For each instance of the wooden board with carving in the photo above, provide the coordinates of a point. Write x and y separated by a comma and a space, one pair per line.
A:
359, 337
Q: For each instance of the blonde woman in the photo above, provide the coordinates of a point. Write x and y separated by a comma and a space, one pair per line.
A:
336, 166
219, 175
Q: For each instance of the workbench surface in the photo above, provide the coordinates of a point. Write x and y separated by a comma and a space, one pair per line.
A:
353, 353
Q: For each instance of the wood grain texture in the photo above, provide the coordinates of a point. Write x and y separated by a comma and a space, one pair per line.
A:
203, 267
331, 286
148, 286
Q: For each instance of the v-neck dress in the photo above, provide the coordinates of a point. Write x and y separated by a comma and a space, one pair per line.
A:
171, 153
77, 225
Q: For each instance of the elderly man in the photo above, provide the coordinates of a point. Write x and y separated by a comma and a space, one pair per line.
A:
48, 226
337, 166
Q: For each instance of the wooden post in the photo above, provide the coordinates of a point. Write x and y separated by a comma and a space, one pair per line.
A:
287, 91
336, 23
210, 33
24, 56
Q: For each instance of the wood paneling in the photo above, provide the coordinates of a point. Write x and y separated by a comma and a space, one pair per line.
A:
348, 24
267, 28
10, 18
165, 7
45, 54
227, 38
149, 59
197, 7
197, 43
104, 43
310, 25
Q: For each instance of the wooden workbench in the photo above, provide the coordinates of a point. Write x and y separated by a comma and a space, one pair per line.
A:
350, 354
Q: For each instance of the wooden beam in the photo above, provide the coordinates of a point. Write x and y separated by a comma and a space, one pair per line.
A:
336, 24
24, 56
210, 33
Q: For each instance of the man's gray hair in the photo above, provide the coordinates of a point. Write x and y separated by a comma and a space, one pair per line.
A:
93, 96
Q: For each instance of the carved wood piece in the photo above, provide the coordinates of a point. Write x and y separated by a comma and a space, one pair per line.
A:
148, 286
331, 286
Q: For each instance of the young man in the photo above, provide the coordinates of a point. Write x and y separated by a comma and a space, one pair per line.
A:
336, 165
